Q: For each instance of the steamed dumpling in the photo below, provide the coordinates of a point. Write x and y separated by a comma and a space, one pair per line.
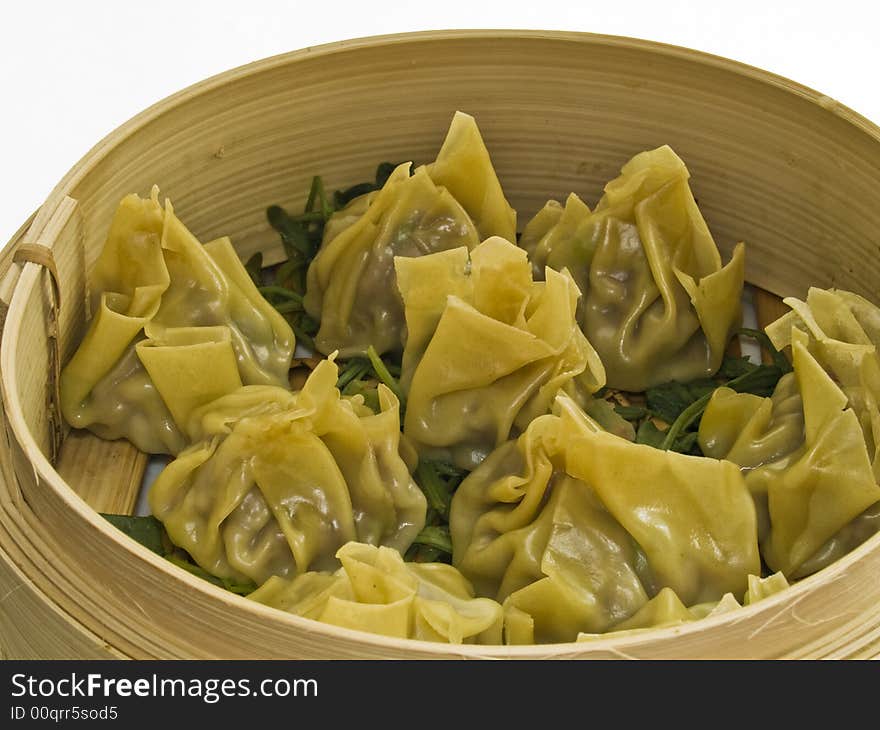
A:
568, 527
805, 460
487, 348
176, 325
350, 283
842, 333
376, 591
658, 304
455, 201
276, 482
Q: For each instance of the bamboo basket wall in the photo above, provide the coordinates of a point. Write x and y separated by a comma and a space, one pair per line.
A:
791, 172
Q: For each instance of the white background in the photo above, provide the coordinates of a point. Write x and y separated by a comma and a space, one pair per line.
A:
70, 72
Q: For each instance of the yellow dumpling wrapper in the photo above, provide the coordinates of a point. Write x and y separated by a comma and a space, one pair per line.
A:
842, 333
176, 325
666, 608
463, 167
350, 284
693, 517
276, 482
376, 591
561, 237
574, 529
487, 348
805, 460
657, 303
455, 201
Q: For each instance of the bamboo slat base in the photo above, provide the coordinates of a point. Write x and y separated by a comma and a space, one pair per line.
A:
107, 475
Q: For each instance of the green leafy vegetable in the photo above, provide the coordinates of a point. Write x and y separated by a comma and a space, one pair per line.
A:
437, 537
761, 380
669, 400
778, 358
361, 376
733, 367
341, 198
681, 405
631, 413
384, 374
438, 480
254, 267
435, 488
182, 560
150, 533
649, 434
354, 370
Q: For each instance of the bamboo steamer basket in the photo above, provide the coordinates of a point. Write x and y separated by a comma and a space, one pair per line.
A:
788, 170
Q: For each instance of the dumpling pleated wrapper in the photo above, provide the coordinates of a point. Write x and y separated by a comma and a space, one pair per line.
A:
455, 201
463, 167
276, 482
574, 529
176, 325
376, 591
750, 430
809, 472
562, 237
658, 305
487, 348
843, 334
666, 608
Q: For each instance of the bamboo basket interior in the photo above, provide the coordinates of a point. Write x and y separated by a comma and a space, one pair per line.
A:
782, 167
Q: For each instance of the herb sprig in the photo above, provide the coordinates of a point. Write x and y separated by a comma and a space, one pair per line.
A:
361, 375
671, 415
151, 533
438, 480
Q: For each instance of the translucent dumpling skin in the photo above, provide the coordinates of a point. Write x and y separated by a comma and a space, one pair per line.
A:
350, 284
805, 459
453, 202
666, 608
658, 304
574, 529
376, 591
276, 482
176, 324
487, 348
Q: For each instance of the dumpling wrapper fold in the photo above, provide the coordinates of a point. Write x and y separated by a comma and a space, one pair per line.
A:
276, 482
487, 348
176, 324
376, 591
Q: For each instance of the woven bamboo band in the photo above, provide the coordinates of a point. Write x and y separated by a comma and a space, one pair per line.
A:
37, 253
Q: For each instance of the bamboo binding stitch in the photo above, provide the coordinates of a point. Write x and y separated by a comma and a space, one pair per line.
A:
41, 255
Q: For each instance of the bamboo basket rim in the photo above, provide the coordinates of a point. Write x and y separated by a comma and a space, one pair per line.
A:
30, 277
135, 123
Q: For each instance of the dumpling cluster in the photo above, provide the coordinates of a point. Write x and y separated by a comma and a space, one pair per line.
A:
561, 528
